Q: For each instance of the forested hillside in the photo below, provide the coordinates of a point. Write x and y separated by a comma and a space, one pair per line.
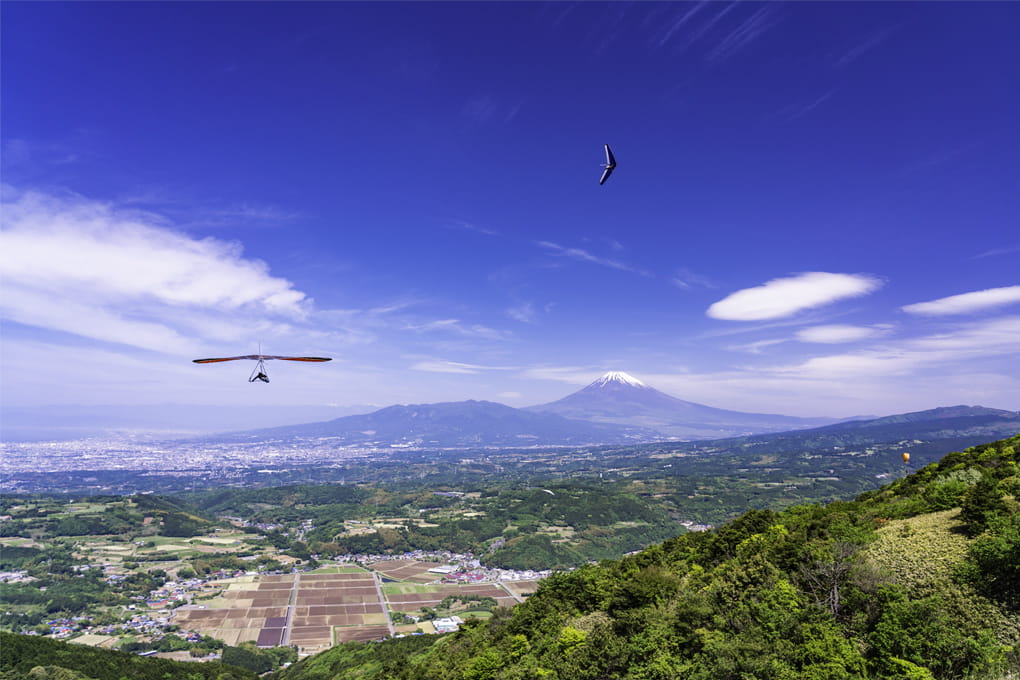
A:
919, 579
25, 657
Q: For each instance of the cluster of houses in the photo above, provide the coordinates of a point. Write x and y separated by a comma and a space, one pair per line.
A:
61, 628
452, 567
139, 624
175, 593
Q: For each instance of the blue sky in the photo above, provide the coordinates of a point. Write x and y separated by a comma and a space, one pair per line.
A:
815, 210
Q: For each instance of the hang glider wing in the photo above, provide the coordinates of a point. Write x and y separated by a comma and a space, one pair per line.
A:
260, 357
259, 372
609, 166
610, 159
213, 361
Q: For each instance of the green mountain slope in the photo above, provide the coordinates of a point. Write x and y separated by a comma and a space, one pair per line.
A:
919, 579
37, 658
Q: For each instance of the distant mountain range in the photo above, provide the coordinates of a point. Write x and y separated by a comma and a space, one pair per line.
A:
615, 409
453, 424
937, 430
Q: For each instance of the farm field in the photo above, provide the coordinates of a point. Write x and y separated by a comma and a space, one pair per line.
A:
406, 570
521, 589
314, 611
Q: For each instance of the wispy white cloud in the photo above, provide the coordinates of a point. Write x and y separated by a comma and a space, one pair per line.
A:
967, 303
758, 346
820, 334
523, 312
995, 252
707, 26
801, 109
838, 333
669, 28
261, 212
457, 327
444, 366
707, 23
688, 280
986, 338
80, 144
582, 255
573, 375
85, 267
862, 48
996, 337
750, 29
463, 225
963, 365
784, 297
485, 108
51, 244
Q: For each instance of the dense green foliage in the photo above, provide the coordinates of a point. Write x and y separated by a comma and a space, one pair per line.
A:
599, 522
22, 653
248, 655
792, 594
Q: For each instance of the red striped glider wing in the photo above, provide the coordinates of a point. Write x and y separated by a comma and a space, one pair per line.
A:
213, 361
257, 357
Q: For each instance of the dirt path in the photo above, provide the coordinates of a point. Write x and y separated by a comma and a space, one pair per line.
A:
291, 604
385, 605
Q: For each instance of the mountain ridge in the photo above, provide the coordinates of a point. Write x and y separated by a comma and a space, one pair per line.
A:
617, 397
456, 424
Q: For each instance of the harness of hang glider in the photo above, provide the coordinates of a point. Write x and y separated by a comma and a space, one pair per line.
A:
259, 373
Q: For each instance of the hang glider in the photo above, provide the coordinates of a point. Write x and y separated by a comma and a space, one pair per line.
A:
609, 166
259, 373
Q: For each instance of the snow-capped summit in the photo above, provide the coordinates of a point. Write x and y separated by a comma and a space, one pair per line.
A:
618, 377
622, 399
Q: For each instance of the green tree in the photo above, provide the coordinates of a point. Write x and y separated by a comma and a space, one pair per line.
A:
981, 502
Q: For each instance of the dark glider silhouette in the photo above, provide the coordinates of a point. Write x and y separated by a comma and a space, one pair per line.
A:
259, 373
609, 166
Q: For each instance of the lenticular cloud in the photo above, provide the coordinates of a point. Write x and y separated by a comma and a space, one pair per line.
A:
785, 297
965, 303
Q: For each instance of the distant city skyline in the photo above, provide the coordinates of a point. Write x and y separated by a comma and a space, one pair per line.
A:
815, 211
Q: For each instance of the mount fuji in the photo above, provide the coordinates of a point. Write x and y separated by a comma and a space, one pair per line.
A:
621, 399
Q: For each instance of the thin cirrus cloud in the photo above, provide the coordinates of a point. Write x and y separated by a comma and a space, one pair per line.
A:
994, 338
967, 303
687, 280
996, 252
780, 298
523, 312
86, 268
745, 33
456, 327
584, 256
444, 366
837, 333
